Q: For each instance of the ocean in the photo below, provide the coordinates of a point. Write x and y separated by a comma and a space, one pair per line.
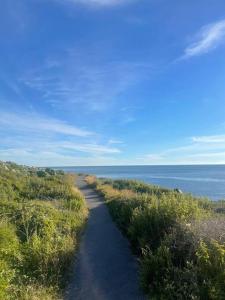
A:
199, 180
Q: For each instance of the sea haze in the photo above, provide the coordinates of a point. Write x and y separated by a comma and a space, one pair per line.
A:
200, 180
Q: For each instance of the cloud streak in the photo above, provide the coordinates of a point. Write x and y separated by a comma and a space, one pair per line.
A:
83, 79
98, 3
41, 124
53, 158
206, 40
199, 149
41, 141
209, 139
90, 148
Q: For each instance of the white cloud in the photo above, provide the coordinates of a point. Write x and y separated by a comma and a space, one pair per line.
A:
115, 141
213, 155
209, 139
38, 140
64, 148
52, 158
100, 3
42, 151
90, 148
207, 39
200, 149
41, 124
85, 78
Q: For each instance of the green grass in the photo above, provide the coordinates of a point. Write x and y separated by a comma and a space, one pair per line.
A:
179, 238
41, 217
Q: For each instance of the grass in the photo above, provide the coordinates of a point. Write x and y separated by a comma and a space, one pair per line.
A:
41, 217
179, 238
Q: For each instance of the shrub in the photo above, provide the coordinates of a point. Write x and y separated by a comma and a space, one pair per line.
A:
40, 222
169, 272
211, 270
41, 173
9, 257
50, 171
179, 238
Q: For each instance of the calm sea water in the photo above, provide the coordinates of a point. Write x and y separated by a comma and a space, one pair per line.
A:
204, 180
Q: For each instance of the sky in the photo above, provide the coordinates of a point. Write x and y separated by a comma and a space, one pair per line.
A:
112, 82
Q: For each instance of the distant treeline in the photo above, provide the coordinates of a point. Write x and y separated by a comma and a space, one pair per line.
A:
180, 239
41, 216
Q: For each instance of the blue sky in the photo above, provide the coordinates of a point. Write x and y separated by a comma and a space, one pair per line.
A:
109, 82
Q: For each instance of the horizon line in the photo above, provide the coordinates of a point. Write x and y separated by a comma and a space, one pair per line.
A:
147, 165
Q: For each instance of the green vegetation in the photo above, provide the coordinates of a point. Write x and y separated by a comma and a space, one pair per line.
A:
179, 238
41, 217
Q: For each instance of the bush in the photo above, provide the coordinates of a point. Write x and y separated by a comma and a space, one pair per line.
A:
50, 171
41, 218
179, 238
169, 271
9, 257
211, 269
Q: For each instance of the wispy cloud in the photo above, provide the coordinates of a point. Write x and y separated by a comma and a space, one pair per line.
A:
38, 140
100, 3
115, 141
209, 139
85, 78
207, 39
90, 148
63, 146
53, 158
37, 123
199, 149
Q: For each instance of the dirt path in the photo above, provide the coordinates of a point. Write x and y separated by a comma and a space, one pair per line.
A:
105, 268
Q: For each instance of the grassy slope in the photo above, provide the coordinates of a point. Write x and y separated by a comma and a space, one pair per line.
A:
180, 239
41, 216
